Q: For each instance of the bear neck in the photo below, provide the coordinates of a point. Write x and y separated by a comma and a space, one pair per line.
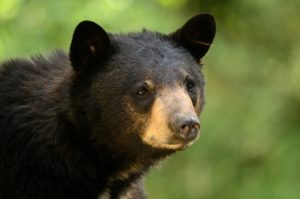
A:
126, 162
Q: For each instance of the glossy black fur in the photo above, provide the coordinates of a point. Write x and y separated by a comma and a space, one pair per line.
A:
65, 129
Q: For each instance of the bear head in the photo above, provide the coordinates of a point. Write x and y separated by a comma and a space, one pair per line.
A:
140, 94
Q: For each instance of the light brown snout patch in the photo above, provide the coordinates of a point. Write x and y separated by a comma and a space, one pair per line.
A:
158, 133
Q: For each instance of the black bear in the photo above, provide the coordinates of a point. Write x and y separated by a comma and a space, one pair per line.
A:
90, 124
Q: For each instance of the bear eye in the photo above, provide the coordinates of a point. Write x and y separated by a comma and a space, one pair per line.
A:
189, 84
142, 91
143, 96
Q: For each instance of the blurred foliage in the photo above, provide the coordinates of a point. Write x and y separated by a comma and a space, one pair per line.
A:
250, 136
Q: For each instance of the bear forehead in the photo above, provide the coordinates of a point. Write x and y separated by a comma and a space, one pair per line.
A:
151, 53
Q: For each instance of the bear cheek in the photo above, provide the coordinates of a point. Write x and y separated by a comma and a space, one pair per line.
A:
157, 133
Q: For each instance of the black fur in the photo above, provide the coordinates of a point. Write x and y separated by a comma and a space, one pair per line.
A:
66, 131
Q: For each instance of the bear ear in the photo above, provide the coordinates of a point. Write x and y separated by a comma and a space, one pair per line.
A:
196, 34
90, 46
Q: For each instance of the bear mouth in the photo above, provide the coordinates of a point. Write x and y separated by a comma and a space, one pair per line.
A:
174, 142
179, 143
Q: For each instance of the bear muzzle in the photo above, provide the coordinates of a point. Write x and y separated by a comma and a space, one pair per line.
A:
174, 123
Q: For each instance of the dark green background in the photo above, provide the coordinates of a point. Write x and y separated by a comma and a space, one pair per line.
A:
250, 136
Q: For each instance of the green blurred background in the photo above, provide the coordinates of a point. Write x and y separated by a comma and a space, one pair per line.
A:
250, 136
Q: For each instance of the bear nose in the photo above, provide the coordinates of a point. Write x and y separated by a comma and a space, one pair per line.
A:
188, 128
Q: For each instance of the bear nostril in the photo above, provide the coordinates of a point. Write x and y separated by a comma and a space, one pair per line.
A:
189, 129
184, 129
